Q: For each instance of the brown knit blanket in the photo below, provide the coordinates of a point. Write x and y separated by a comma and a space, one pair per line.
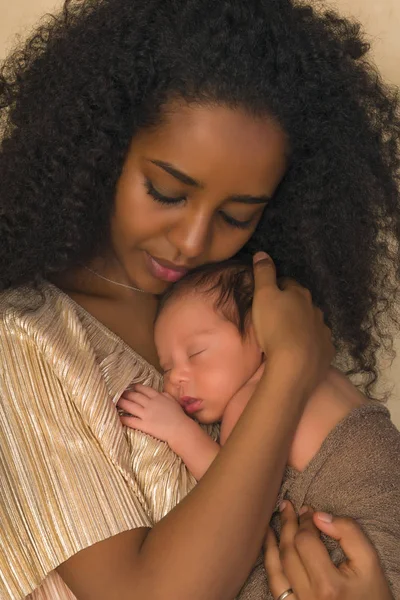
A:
356, 473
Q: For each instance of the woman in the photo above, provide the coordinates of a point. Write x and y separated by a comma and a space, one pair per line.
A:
143, 138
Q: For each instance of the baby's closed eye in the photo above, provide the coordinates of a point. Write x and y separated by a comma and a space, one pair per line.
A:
197, 353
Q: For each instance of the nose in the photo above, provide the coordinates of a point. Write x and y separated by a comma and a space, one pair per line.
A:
177, 381
191, 235
178, 376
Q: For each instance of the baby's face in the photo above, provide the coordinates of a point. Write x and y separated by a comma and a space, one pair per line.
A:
204, 358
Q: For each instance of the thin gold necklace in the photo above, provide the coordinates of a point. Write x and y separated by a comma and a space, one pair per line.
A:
124, 285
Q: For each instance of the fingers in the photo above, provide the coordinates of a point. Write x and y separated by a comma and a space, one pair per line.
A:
135, 423
277, 579
135, 398
264, 270
289, 524
306, 523
353, 541
290, 284
291, 562
147, 391
312, 551
132, 407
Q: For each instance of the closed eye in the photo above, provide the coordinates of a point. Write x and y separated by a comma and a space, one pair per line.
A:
161, 198
235, 223
175, 200
196, 353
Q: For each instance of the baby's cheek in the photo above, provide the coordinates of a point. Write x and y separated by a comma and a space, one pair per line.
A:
167, 387
219, 385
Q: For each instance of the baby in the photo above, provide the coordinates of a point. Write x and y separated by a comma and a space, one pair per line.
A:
345, 454
212, 362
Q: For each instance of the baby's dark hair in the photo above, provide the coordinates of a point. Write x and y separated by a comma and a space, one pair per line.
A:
228, 284
93, 76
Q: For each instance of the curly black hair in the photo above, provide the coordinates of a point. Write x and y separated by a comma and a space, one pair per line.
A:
89, 78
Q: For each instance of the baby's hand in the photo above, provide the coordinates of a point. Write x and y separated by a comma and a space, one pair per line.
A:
155, 413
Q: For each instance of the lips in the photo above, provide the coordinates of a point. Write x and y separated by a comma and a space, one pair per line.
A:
165, 270
190, 405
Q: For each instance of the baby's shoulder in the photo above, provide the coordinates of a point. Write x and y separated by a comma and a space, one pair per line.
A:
331, 404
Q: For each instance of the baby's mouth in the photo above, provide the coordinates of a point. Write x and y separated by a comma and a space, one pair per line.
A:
190, 405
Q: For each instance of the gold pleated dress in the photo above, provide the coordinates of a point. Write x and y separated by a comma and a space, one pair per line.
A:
71, 475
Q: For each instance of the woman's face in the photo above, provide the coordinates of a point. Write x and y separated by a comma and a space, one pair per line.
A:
193, 190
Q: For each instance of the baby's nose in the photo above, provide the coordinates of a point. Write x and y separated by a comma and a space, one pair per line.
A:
178, 375
174, 383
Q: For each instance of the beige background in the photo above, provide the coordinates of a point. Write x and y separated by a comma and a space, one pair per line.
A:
380, 17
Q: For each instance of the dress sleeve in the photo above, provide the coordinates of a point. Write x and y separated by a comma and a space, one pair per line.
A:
60, 492
359, 477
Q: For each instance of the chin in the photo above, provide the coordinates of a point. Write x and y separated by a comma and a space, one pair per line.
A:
157, 288
207, 419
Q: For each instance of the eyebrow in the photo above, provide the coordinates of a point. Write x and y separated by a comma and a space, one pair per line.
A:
247, 199
179, 175
200, 332
187, 180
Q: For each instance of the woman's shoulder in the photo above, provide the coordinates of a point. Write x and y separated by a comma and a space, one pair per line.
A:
45, 322
27, 306
38, 320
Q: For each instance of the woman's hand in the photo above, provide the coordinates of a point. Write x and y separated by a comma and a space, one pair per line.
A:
155, 413
289, 326
302, 563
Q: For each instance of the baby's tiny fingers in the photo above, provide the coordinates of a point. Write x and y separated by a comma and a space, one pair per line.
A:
133, 423
136, 398
147, 391
131, 408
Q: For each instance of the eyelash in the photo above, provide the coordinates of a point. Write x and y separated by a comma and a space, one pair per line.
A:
151, 190
168, 201
196, 353
166, 371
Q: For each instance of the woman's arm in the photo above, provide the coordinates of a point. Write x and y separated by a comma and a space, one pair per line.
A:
206, 546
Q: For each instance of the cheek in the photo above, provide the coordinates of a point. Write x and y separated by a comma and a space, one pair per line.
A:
169, 388
239, 365
136, 216
227, 242
217, 383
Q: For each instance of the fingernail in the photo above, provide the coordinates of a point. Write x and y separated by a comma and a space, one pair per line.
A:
325, 517
303, 510
282, 506
259, 256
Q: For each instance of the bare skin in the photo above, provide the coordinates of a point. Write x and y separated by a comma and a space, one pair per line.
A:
301, 562
211, 371
228, 156
144, 563
234, 162
160, 415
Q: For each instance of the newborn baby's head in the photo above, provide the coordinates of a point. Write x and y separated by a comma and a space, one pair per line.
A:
205, 339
